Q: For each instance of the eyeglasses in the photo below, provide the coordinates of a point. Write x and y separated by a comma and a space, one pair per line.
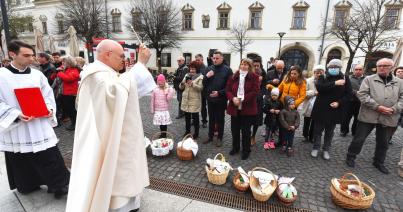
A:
383, 66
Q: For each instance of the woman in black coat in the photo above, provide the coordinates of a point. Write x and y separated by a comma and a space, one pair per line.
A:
334, 89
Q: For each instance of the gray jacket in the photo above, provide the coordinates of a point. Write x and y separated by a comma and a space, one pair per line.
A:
355, 86
374, 93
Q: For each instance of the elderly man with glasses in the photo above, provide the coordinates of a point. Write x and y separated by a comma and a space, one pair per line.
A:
381, 97
353, 106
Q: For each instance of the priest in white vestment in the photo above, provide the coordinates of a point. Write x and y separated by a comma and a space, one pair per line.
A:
109, 168
29, 144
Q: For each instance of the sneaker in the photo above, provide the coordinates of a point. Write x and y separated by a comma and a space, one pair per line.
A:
381, 168
314, 153
350, 162
252, 141
326, 155
266, 145
290, 152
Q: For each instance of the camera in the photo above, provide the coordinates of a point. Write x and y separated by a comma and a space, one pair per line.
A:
188, 78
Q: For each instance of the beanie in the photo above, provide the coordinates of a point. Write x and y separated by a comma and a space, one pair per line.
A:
335, 62
160, 78
319, 67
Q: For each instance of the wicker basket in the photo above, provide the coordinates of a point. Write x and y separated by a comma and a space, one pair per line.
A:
184, 154
217, 178
162, 151
257, 189
239, 186
344, 200
283, 200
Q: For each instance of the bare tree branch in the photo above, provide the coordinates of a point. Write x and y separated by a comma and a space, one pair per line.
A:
240, 39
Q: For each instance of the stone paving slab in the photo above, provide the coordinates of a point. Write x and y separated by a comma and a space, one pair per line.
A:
313, 175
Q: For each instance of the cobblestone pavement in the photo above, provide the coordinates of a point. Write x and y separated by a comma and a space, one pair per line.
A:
313, 175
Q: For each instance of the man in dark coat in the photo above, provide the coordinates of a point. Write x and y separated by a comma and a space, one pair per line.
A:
202, 70
47, 68
214, 83
274, 77
334, 90
179, 75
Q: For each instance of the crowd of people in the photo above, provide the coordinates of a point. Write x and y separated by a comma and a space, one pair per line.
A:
325, 97
107, 107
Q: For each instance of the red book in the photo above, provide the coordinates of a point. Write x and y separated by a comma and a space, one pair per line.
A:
31, 102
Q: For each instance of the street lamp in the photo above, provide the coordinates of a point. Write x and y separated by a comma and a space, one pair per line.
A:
281, 34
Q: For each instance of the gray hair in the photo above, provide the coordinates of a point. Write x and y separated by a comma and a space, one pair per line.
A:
385, 59
69, 61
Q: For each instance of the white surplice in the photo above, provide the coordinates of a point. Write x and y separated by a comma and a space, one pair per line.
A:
35, 135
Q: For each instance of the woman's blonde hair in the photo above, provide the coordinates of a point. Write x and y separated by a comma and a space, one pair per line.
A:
69, 62
80, 61
250, 64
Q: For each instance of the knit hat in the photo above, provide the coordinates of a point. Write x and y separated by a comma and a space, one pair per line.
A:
160, 78
319, 67
335, 62
275, 91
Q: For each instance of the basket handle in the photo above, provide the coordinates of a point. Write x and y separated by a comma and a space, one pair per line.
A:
356, 178
221, 155
169, 135
188, 136
264, 169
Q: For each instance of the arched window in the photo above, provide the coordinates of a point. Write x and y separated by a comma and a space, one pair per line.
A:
333, 54
295, 57
116, 22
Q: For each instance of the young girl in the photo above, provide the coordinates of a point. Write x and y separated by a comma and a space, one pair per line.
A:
289, 120
272, 107
160, 104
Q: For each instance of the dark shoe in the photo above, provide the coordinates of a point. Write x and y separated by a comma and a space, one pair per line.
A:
59, 193
204, 125
343, 134
290, 152
207, 141
233, 152
350, 162
71, 127
219, 143
381, 168
244, 156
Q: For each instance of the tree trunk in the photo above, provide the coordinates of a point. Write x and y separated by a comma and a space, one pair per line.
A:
240, 55
90, 52
159, 52
350, 62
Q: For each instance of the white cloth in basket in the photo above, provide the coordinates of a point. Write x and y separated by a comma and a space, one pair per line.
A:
189, 144
264, 178
218, 165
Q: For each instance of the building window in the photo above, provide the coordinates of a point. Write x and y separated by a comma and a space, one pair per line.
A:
256, 11
223, 16
187, 17
116, 20
136, 18
188, 57
60, 26
299, 16
341, 12
206, 21
392, 18
45, 27
333, 54
227, 58
166, 59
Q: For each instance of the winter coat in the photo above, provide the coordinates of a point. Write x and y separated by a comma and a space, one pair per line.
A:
260, 97
355, 86
191, 95
217, 82
274, 74
70, 78
329, 92
249, 103
160, 99
298, 92
179, 75
310, 97
271, 118
374, 93
48, 70
289, 117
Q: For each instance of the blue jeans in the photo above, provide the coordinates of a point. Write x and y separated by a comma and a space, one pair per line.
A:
288, 137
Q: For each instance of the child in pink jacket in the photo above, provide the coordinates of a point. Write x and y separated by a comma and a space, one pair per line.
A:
160, 104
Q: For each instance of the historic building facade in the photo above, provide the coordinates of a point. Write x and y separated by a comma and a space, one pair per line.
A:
206, 25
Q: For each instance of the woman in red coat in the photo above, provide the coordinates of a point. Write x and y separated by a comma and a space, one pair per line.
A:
70, 77
242, 90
